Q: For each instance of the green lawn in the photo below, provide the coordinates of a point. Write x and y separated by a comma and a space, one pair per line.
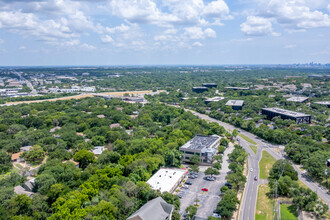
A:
265, 164
264, 209
247, 139
254, 148
288, 212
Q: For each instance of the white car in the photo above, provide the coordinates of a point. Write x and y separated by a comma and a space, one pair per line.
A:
251, 169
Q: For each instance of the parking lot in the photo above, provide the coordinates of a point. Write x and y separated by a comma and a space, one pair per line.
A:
207, 200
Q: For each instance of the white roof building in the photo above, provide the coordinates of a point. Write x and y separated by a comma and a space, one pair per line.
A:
297, 99
166, 179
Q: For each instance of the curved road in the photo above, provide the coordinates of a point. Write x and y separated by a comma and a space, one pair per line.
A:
247, 211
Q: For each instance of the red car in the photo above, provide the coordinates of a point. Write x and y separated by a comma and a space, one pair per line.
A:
205, 189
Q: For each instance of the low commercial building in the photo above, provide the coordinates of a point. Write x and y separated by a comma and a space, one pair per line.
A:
210, 85
235, 104
237, 88
200, 89
154, 209
298, 99
326, 103
203, 146
286, 114
214, 99
166, 179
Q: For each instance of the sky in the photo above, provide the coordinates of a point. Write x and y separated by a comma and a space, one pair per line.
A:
163, 32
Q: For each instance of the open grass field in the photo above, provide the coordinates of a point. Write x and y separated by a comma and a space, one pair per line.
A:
288, 212
254, 148
266, 164
82, 96
264, 209
247, 139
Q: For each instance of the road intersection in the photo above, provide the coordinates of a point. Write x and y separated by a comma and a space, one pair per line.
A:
247, 211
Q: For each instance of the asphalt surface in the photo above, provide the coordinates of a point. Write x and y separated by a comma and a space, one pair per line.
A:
207, 200
247, 211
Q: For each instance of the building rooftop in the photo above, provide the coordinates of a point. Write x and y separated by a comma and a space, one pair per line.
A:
200, 142
20, 190
214, 99
237, 88
98, 150
200, 87
235, 102
323, 103
154, 209
297, 99
26, 148
286, 112
16, 156
164, 179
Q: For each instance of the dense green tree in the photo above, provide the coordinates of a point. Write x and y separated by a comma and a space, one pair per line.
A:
211, 171
84, 158
35, 155
5, 162
195, 159
191, 211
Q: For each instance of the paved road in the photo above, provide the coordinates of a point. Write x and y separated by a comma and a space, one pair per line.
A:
207, 200
250, 192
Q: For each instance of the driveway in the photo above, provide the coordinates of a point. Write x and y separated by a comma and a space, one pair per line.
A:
207, 200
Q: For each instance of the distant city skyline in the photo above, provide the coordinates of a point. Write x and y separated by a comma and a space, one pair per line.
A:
163, 32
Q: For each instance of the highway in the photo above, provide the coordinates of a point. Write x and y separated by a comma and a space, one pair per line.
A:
247, 208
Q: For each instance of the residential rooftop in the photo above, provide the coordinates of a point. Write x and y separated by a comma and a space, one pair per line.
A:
235, 103
214, 99
286, 112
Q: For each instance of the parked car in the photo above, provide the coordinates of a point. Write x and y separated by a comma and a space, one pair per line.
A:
255, 178
251, 169
205, 189
216, 215
185, 187
191, 177
228, 185
189, 183
179, 195
210, 178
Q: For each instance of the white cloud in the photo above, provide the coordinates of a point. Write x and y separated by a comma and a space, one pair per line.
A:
29, 24
122, 28
217, 9
293, 15
1, 41
328, 7
87, 47
257, 26
140, 11
22, 48
197, 44
209, 33
198, 33
107, 39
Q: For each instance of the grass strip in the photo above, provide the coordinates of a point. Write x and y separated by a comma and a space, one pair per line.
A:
265, 164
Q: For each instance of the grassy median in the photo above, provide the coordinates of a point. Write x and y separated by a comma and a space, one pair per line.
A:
265, 164
247, 139
254, 148
264, 209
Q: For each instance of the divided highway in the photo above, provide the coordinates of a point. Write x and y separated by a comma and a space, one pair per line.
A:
247, 211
